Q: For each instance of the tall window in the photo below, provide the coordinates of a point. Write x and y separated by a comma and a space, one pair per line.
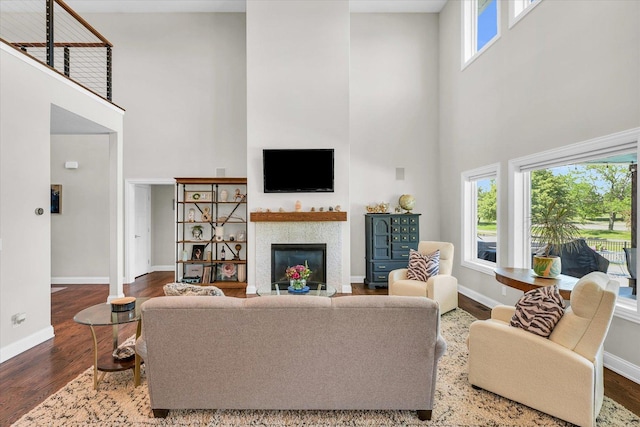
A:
594, 181
480, 20
519, 8
480, 218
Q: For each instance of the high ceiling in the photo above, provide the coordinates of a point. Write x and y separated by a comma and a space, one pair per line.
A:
147, 6
64, 122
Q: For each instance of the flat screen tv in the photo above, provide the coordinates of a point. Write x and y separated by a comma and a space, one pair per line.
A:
298, 170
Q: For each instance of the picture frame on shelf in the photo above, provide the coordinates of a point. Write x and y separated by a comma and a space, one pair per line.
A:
197, 253
227, 272
56, 198
198, 196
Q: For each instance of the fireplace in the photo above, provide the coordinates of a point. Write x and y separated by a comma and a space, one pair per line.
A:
285, 255
333, 234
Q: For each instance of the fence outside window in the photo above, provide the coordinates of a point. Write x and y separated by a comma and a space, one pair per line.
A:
613, 250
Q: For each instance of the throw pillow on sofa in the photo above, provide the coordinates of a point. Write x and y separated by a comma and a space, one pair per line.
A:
421, 267
177, 289
539, 310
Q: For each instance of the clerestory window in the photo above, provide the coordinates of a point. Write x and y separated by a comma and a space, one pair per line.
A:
519, 8
480, 25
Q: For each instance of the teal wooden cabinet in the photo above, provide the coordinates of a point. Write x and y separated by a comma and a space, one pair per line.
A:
389, 237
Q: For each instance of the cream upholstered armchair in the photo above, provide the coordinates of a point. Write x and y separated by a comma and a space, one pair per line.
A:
561, 375
442, 287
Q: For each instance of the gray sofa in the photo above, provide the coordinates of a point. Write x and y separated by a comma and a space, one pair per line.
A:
291, 352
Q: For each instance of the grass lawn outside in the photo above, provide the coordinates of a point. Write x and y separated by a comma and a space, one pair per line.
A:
590, 230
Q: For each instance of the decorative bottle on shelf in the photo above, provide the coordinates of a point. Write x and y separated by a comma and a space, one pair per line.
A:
223, 254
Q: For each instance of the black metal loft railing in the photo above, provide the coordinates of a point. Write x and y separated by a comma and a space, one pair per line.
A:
54, 34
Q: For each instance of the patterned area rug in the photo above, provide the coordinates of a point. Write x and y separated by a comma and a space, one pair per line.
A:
118, 403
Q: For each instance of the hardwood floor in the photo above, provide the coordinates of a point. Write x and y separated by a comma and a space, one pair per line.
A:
27, 379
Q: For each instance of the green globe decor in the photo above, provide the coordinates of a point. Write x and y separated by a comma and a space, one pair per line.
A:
407, 202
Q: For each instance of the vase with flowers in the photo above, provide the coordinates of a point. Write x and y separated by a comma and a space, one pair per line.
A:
298, 275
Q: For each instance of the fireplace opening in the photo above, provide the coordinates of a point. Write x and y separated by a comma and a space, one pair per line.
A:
290, 254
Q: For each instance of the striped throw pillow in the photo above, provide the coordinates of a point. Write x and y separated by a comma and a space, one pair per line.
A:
539, 310
421, 267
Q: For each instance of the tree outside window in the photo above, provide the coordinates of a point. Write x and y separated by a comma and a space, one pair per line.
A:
598, 198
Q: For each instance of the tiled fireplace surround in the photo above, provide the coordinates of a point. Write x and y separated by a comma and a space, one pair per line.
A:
329, 232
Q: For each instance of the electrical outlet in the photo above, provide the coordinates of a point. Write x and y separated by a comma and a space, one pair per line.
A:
504, 291
18, 319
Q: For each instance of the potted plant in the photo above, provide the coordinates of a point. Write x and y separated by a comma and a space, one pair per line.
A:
550, 229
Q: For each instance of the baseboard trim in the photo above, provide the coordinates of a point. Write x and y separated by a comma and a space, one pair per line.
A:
169, 267
79, 280
622, 367
357, 279
26, 343
96, 280
611, 361
476, 296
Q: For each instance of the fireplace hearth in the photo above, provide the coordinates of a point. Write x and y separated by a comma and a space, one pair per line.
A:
285, 255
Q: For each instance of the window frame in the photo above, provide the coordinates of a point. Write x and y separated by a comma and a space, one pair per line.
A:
518, 9
469, 204
469, 19
519, 193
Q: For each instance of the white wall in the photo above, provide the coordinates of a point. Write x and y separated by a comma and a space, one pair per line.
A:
393, 119
182, 79
557, 77
81, 231
298, 97
28, 92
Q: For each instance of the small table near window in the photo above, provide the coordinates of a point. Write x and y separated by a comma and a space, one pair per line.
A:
526, 280
101, 315
280, 288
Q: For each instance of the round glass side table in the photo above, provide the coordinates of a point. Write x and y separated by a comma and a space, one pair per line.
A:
102, 315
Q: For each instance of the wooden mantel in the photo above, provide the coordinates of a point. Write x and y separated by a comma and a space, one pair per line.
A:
298, 216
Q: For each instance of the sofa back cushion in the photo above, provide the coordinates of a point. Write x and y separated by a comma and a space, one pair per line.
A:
304, 352
446, 254
586, 322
